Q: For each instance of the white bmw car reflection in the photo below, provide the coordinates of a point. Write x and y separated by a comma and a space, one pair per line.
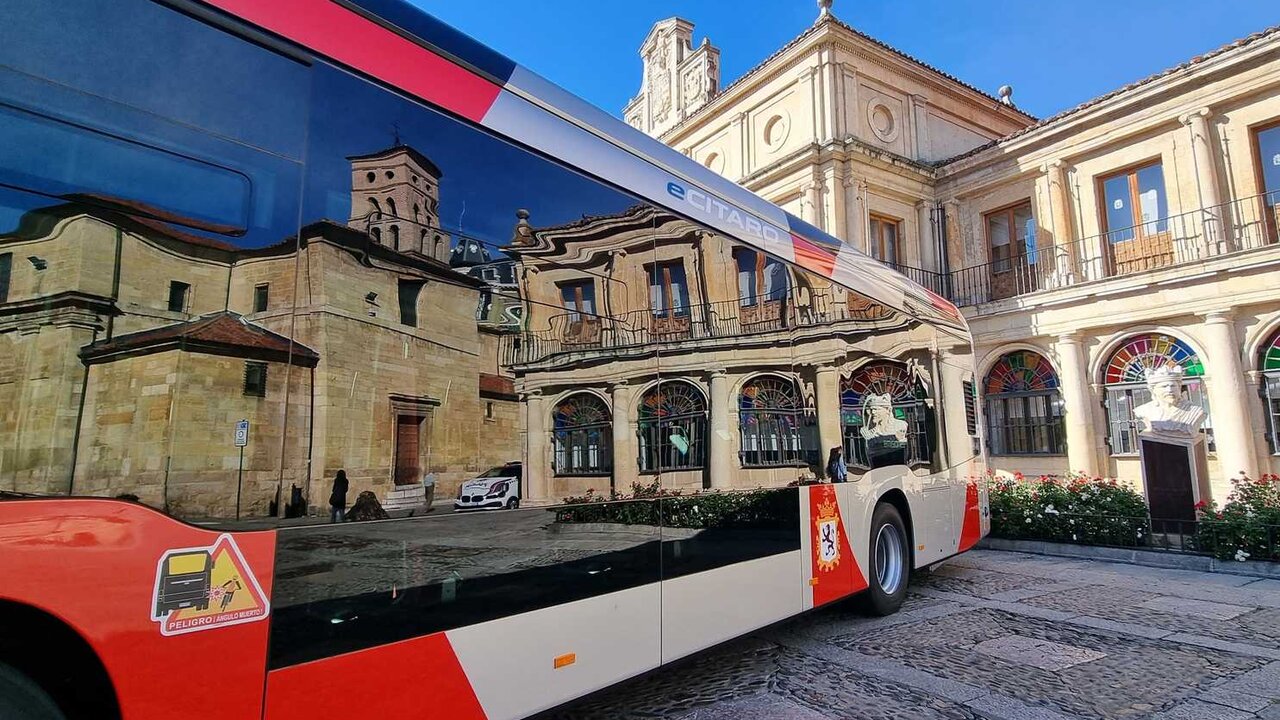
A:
496, 489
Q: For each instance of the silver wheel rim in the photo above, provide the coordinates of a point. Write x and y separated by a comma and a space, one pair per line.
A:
889, 565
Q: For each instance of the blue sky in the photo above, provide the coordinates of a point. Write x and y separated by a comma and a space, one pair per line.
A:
1055, 54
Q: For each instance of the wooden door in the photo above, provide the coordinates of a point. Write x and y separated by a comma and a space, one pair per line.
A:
408, 434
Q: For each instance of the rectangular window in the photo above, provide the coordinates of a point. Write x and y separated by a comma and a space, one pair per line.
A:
1025, 424
1134, 203
488, 411
970, 408
668, 290
408, 292
1266, 143
760, 278
260, 294
1011, 237
179, 295
255, 379
579, 298
883, 242
6, 267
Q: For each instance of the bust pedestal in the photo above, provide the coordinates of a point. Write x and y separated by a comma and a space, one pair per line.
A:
1175, 476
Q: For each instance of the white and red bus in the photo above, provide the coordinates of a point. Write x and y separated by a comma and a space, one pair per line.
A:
198, 189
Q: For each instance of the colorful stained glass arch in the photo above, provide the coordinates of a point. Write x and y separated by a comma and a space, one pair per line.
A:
1141, 353
1271, 353
880, 378
768, 392
1021, 371
581, 410
669, 400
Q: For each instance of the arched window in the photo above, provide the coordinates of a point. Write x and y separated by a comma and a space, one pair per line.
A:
375, 210
1269, 363
377, 234
1024, 406
583, 436
1125, 378
391, 207
884, 417
673, 428
771, 420
395, 236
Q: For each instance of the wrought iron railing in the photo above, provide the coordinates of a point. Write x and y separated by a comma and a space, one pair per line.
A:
578, 332
1242, 224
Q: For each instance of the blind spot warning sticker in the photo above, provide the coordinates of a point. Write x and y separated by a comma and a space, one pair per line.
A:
203, 588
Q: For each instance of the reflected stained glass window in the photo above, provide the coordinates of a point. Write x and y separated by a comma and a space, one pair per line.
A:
883, 416
771, 416
583, 436
1024, 406
1270, 364
672, 427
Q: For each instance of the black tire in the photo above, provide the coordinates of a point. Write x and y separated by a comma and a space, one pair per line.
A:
22, 699
513, 503
888, 572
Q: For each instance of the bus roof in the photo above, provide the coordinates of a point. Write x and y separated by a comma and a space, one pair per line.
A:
400, 45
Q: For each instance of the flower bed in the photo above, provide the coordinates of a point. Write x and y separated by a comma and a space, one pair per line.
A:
1074, 509
1248, 526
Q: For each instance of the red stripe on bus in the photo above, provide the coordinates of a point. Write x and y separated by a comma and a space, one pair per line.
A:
421, 677
359, 43
971, 530
813, 257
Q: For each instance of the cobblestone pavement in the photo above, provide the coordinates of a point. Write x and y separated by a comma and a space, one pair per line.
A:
993, 635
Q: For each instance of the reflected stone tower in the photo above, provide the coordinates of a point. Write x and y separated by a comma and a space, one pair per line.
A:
395, 197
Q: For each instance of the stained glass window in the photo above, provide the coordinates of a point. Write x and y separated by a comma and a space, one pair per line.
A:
1024, 406
583, 431
1270, 363
867, 442
772, 421
1125, 376
673, 427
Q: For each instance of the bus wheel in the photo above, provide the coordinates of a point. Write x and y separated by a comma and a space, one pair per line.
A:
23, 699
890, 564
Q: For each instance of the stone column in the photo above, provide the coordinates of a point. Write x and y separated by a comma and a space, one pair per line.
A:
625, 467
835, 212
920, 119
827, 388
928, 251
720, 442
1206, 179
1065, 251
811, 203
537, 471
1082, 449
1228, 403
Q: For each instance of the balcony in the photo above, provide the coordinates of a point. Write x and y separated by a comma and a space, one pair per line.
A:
578, 333
1240, 225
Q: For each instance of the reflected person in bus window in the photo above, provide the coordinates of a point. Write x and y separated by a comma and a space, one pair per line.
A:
836, 469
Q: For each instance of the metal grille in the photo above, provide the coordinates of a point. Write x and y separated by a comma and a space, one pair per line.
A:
1025, 424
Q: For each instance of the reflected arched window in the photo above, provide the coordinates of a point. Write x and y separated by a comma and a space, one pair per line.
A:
1269, 363
377, 234
771, 421
884, 417
583, 430
672, 428
1024, 406
1125, 378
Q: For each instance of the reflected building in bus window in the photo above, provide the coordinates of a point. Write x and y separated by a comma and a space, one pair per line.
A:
132, 342
658, 350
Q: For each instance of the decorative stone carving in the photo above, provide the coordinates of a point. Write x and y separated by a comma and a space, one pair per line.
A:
1168, 413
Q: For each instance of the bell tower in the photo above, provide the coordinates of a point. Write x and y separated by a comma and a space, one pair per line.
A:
395, 197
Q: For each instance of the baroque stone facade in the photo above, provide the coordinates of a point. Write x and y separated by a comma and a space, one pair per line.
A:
1134, 230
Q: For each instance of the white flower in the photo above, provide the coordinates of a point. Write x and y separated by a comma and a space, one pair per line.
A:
1028, 519
695, 508
1050, 510
1241, 555
1073, 536
1072, 521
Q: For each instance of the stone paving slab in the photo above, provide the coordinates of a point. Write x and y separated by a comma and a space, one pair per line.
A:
995, 636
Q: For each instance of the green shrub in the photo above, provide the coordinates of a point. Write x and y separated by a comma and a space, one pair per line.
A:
652, 504
1248, 526
1074, 509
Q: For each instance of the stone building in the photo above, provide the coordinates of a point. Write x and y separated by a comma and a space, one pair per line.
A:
131, 343
660, 352
1136, 229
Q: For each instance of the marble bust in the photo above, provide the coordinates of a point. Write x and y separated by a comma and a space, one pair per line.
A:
879, 421
1168, 412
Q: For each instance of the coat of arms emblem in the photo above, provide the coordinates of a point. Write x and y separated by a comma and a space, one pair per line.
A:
827, 525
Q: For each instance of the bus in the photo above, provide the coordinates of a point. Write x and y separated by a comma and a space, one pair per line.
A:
247, 247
